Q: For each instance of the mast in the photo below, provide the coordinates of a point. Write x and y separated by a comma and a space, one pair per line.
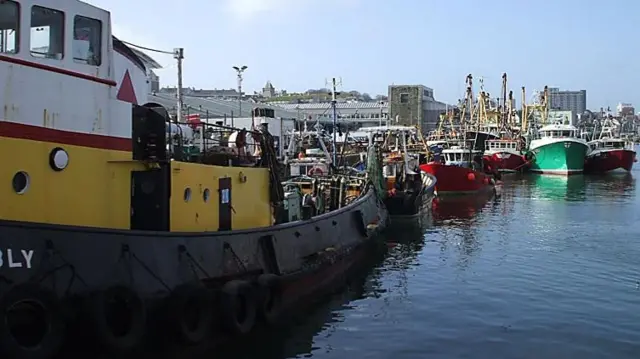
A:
524, 124
334, 93
504, 101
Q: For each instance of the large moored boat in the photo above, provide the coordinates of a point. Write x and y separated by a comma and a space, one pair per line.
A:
109, 217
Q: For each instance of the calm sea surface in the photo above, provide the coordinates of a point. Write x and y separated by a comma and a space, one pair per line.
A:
550, 269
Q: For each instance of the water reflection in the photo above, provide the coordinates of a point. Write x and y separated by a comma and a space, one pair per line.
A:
405, 247
413, 224
549, 187
457, 220
611, 187
296, 339
457, 210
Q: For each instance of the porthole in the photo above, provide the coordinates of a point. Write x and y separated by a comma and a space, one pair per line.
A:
206, 195
21, 182
187, 194
58, 159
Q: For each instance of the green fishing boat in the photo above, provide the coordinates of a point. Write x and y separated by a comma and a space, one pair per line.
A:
558, 150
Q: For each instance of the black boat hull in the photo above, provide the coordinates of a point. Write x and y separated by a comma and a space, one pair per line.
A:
413, 201
70, 265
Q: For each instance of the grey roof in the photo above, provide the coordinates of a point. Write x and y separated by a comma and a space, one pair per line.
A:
325, 105
216, 107
146, 59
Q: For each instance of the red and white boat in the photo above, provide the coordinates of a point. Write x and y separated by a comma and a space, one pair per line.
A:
505, 155
609, 153
459, 172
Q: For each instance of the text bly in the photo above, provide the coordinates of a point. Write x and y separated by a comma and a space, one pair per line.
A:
16, 259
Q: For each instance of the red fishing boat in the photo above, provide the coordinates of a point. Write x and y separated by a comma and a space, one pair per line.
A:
505, 156
461, 171
504, 151
461, 168
608, 152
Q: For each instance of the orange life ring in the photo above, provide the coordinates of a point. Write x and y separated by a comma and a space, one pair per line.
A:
315, 171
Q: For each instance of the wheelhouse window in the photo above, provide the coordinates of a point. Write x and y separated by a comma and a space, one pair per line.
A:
47, 33
9, 27
87, 40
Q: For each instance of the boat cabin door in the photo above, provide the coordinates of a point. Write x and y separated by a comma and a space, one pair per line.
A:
150, 200
224, 204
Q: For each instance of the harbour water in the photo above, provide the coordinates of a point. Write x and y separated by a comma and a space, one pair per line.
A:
547, 270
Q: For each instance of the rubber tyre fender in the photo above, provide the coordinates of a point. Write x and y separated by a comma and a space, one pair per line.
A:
271, 298
238, 296
56, 325
98, 310
182, 297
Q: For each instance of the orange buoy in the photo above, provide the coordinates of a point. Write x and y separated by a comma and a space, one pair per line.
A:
471, 176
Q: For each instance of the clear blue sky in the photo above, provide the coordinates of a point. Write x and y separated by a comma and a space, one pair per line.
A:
296, 44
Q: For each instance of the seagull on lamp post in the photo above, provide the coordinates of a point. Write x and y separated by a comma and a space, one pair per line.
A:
240, 70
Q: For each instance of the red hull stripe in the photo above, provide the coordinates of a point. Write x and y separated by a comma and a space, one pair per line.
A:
59, 70
37, 133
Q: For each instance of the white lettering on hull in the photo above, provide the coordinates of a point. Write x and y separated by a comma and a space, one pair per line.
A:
13, 260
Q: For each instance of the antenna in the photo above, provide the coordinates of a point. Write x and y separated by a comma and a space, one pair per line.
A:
333, 84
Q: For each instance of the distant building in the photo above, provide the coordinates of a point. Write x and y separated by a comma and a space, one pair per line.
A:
268, 90
215, 93
625, 109
354, 114
574, 101
414, 105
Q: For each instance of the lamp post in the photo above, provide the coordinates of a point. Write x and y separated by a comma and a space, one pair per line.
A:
178, 54
240, 70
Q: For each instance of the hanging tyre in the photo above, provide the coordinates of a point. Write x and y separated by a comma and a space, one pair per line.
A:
238, 306
32, 324
271, 298
190, 312
119, 318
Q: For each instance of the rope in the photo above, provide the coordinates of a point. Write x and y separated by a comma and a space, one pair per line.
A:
148, 270
526, 163
195, 263
147, 48
227, 245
